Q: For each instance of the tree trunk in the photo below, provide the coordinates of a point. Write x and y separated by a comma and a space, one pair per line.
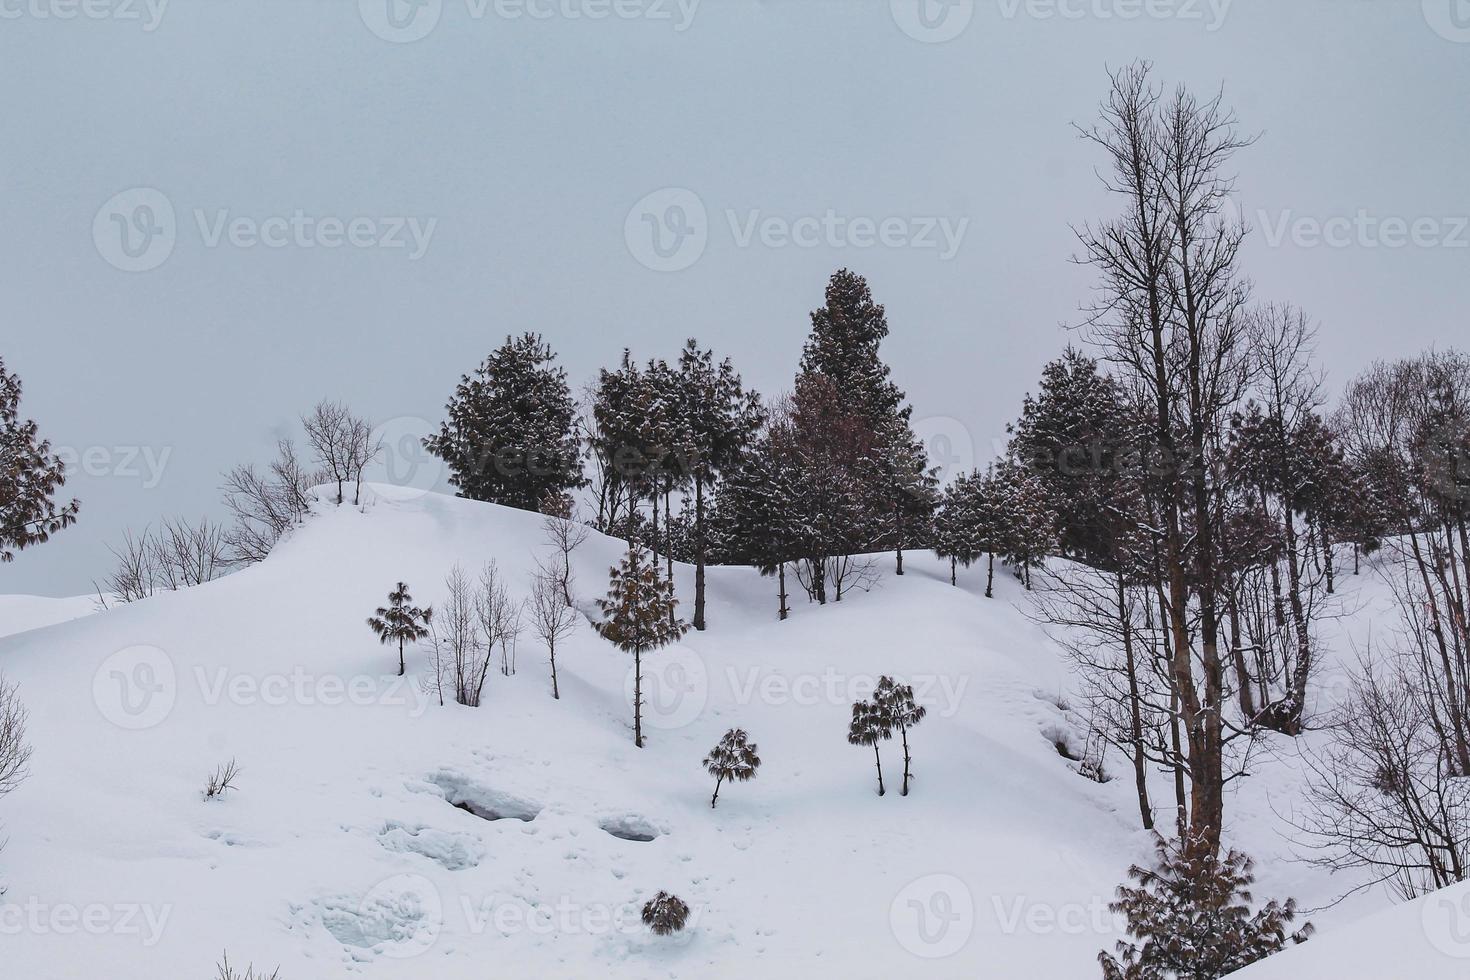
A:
699, 546
712, 799
638, 698
400, 657
898, 535
990, 578
555, 692
1140, 762
781, 587
952, 580
904, 734
879, 759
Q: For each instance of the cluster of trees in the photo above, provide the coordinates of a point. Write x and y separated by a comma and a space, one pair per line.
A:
890, 709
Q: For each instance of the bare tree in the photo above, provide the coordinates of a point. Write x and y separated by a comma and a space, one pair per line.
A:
565, 535
457, 632
189, 554
552, 616
265, 506
134, 575
344, 444
15, 753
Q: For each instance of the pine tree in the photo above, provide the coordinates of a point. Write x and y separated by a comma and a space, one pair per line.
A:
665, 914
1190, 919
734, 758
896, 703
958, 524
758, 521
30, 475
638, 616
719, 419
1071, 435
870, 725
1025, 521
401, 621
509, 437
843, 347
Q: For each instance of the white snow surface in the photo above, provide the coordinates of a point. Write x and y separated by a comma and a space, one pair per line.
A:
377, 834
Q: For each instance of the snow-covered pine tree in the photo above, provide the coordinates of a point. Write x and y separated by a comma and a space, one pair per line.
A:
509, 437
623, 472
843, 346
757, 520
896, 703
1025, 523
957, 532
639, 616
734, 759
719, 419
30, 475
665, 914
870, 725
1190, 919
1070, 435
400, 621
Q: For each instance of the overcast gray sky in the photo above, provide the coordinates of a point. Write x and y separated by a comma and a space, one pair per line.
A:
214, 213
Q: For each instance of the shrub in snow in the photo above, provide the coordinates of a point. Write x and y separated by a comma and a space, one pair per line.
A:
221, 780
734, 759
639, 616
226, 972
400, 620
870, 725
1190, 919
896, 702
665, 914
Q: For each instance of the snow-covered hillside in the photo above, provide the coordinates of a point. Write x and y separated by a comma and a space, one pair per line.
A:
360, 841
19, 613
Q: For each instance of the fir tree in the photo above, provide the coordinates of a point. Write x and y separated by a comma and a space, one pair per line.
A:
958, 525
400, 621
758, 520
1025, 521
734, 758
870, 725
665, 914
638, 616
719, 419
1190, 919
509, 436
30, 475
896, 703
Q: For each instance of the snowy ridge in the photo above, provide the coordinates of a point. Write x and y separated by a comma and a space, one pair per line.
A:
522, 836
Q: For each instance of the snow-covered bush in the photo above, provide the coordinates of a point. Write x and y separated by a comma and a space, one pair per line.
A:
665, 914
1190, 919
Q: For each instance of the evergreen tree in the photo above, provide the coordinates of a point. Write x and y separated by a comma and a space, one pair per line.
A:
870, 725
665, 914
719, 419
896, 703
734, 758
758, 521
1190, 919
1024, 519
638, 616
30, 475
400, 621
1070, 435
958, 524
509, 437
843, 347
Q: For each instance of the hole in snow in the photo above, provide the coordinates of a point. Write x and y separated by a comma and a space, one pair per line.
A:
630, 827
482, 801
455, 852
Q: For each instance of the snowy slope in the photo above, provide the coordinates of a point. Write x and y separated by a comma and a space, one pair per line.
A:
348, 849
19, 613
1427, 939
